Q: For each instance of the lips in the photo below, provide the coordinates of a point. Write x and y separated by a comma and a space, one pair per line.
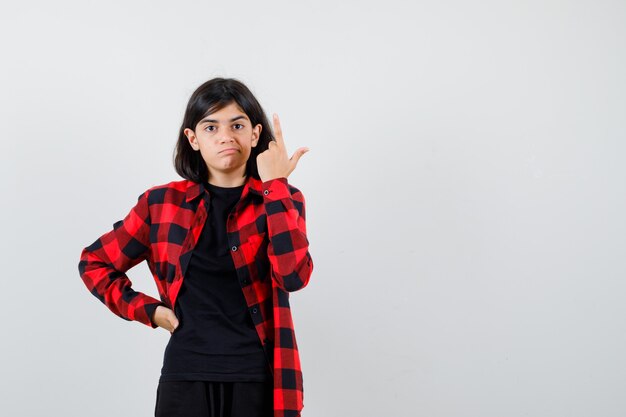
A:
228, 150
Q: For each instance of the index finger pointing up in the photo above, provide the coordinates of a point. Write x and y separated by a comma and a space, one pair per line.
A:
278, 133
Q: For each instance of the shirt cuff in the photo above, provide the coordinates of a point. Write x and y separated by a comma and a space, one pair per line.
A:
275, 189
150, 309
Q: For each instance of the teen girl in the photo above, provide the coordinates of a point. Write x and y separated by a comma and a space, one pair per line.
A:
225, 246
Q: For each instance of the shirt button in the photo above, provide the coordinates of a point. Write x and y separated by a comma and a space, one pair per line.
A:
254, 310
234, 248
266, 192
244, 281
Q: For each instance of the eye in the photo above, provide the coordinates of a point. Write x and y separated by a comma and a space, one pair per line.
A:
238, 124
209, 128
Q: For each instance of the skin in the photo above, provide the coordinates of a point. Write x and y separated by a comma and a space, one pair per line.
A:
225, 145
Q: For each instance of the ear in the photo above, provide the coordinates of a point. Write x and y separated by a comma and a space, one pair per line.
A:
191, 136
256, 134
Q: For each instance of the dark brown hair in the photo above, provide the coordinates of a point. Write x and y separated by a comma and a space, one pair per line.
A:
210, 97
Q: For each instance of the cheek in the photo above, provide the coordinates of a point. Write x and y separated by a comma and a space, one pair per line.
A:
247, 152
206, 154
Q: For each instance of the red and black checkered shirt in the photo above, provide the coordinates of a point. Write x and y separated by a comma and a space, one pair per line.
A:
267, 236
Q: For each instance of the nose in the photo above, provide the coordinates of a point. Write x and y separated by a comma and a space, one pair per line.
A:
226, 138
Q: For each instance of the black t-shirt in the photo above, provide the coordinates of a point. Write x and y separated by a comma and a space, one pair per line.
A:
216, 339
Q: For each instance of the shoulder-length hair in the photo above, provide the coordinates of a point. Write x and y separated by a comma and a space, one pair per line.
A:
210, 97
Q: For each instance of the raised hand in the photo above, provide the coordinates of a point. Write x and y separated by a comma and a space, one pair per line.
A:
274, 162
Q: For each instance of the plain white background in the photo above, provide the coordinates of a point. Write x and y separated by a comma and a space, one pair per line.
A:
465, 195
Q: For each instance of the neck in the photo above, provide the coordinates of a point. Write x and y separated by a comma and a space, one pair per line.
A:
228, 179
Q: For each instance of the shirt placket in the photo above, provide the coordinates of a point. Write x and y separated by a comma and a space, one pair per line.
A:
243, 276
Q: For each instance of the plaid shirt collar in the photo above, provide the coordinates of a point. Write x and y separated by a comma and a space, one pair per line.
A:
252, 186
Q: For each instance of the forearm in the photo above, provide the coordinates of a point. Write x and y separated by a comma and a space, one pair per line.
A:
104, 263
288, 250
114, 289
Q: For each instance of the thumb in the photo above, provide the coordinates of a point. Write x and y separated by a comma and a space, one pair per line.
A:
297, 155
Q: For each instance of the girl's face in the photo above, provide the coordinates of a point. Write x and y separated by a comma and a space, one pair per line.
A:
225, 139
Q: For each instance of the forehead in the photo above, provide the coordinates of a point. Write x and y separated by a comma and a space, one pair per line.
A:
230, 112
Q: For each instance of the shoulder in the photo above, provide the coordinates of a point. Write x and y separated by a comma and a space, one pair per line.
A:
177, 185
175, 190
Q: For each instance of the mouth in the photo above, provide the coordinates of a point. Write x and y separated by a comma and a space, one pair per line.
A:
229, 150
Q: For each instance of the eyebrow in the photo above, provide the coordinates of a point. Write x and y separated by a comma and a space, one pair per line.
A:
216, 121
